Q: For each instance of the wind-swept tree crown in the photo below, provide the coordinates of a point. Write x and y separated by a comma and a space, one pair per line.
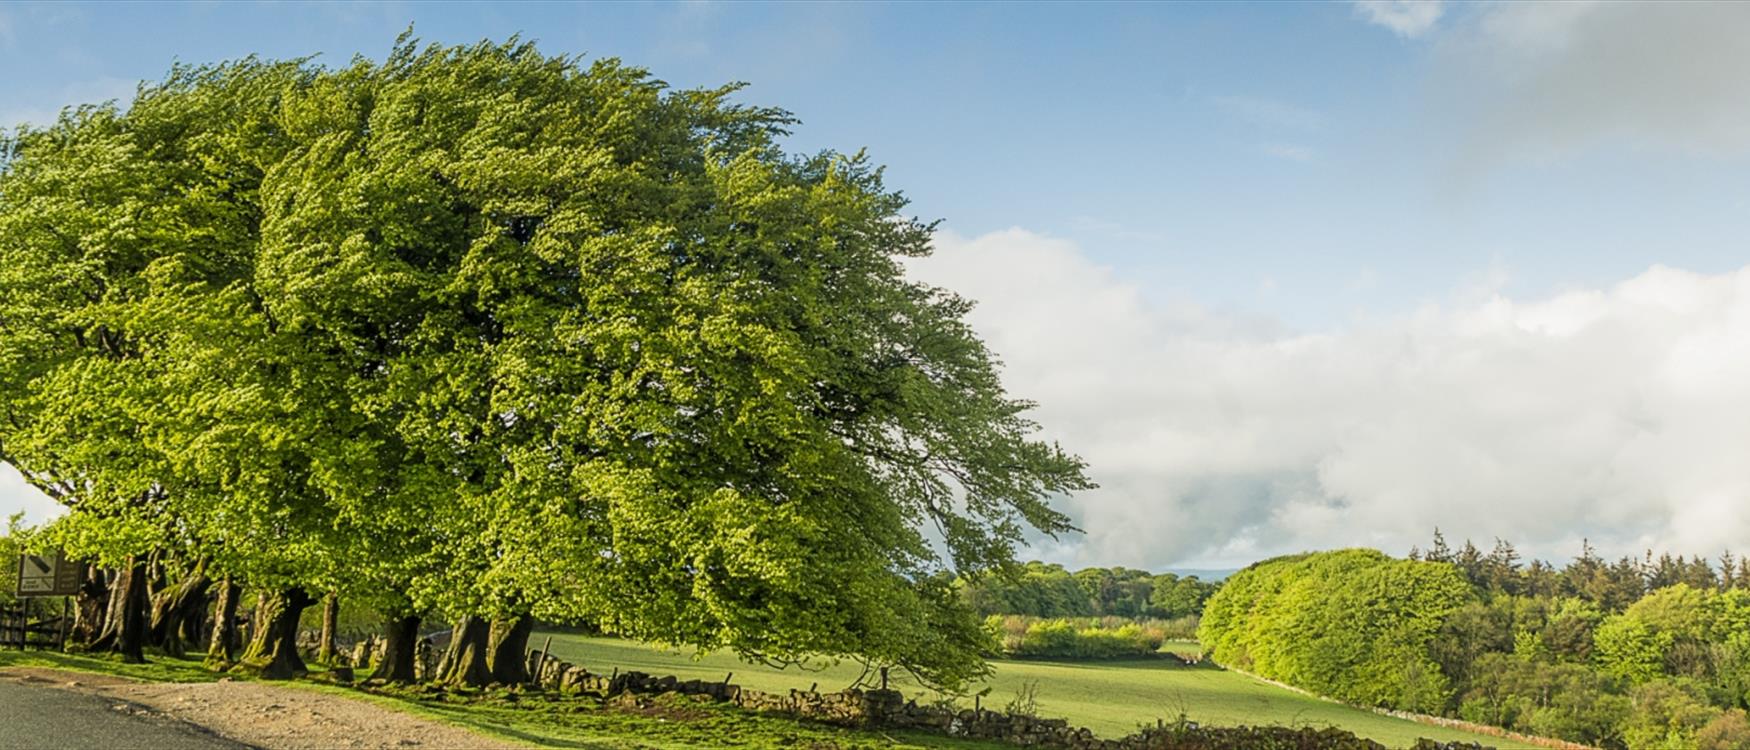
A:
509, 332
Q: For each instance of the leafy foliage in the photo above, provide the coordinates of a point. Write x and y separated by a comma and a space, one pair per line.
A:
1630, 654
1352, 624
1077, 638
12, 545
1039, 589
478, 330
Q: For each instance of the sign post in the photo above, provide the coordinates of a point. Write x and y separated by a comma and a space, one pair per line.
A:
52, 575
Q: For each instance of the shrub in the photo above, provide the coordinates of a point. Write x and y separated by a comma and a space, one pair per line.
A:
1026, 700
1351, 624
1667, 715
1728, 731
1077, 638
13, 538
1629, 649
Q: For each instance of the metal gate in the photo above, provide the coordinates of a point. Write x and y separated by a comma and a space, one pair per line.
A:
21, 626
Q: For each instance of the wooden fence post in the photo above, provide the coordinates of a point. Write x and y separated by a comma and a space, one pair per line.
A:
546, 652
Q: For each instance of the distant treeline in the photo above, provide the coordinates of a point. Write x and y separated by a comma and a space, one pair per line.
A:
1049, 590
1611, 585
1637, 653
1087, 637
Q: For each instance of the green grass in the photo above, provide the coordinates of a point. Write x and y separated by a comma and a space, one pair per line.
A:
1186, 648
670, 722
666, 723
156, 669
1112, 698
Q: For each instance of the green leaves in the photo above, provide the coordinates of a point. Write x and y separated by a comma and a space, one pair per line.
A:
484, 331
1629, 649
1351, 624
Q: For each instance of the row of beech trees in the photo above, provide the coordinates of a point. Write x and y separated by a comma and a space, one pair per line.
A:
180, 614
474, 333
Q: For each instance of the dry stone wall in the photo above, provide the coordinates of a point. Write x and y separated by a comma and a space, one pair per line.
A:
891, 709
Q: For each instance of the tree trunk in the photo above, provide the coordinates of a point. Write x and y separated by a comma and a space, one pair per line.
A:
193, 630
465, 660
89, 606
124, 625
330, 619
222, 645
257, 617
400, 636
171, 605
274, 648
507, 648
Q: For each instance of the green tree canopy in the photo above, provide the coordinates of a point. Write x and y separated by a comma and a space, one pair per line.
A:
1352, 624
487, 331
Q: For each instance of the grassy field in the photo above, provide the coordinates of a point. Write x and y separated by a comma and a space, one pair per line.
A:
1184, 648
1112, 698
664, 723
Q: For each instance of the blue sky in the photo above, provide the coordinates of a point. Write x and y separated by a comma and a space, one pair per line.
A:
1234, 183
1281, 158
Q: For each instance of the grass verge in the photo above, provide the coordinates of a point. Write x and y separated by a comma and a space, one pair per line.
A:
546, 720
156, 669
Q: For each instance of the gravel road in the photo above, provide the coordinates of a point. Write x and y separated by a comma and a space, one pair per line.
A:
35, 716
232, 715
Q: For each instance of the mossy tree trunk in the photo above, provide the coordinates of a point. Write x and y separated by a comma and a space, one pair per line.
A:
124, 623
222, 645
400, 638
89, 606
257, 616
507, 646
465, 661
192, 626
273, 650
330, 620
174, 604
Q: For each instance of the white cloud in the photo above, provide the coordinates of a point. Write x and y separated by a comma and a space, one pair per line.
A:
18, 497
1409, 18
1542, 80
1596, 413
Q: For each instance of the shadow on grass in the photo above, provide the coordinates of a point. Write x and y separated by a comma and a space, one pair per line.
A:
535, 719
158, 667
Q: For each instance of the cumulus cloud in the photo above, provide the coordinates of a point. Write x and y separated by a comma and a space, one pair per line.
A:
1594, 413
1547, 79
1612, 414
1409, 18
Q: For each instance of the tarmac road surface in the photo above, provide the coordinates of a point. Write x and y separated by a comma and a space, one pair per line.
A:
34, 717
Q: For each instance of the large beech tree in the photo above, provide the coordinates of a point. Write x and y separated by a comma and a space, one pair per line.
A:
487, 333
80, 224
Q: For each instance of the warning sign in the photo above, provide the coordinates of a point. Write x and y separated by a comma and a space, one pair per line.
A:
52, 575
